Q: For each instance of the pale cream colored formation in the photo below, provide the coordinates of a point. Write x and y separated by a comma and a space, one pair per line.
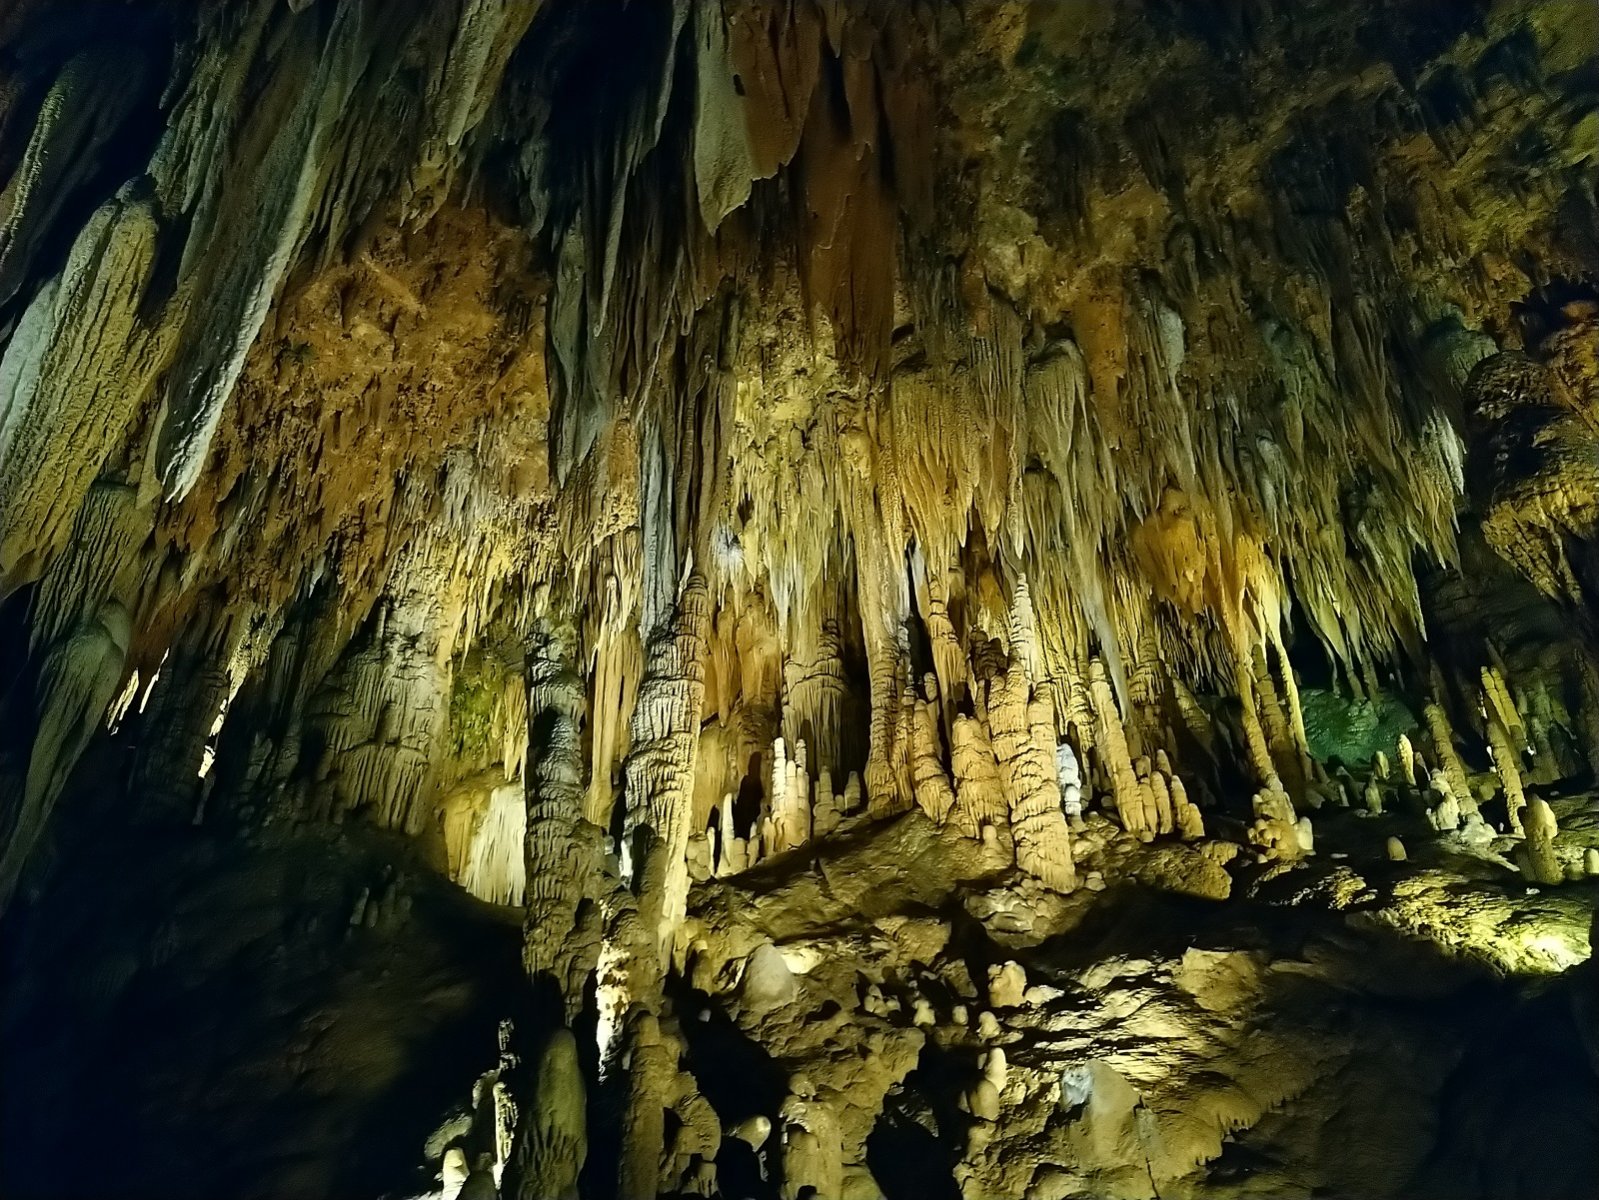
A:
659, 775
1022, 718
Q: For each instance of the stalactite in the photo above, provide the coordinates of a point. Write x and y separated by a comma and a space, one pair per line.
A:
1115, 758
78, 678
1296, 712
1194, 718
179, 719
1499, 706
1260, 756
949, 663
1588, 684
72, 376
104, 562
380, 717
748, 354
815, 696
615, 684
1284, 747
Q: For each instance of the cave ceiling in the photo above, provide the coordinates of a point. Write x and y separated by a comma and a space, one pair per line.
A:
608, 446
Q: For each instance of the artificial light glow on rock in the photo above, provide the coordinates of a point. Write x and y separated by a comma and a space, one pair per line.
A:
768, 599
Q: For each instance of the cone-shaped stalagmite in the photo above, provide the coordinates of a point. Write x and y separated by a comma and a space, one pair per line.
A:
551, 1136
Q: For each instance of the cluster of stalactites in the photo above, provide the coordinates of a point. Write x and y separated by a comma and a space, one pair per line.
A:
1188, 552
249, 181
1176, 472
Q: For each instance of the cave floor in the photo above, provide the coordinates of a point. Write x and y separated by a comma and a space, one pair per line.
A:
297, 1015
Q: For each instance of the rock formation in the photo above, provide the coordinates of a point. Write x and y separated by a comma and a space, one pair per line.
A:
803, 597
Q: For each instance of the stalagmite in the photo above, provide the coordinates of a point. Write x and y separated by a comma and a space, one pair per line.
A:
658, 792
1278, 831
651, 1070
1022, 719
1443, 740
825, 814
1536, 855
551, 1137
812, 1154
1006, 983
1159, 794
1071, 782
853, 792
1190, 821
1506, 759
790, 798
1445, 814
694, 1135
1588, 682
1038, 818
979, 796
934, 793
1406, 754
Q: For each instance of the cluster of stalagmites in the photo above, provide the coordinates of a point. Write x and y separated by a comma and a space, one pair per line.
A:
1148, 799
841, 1044
624, 917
